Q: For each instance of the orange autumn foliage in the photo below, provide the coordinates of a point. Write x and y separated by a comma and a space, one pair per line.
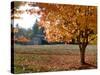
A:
22, 39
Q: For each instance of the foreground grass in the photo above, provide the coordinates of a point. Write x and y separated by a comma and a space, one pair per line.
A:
51, 58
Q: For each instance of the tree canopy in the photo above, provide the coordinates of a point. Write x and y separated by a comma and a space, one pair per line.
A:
64, 22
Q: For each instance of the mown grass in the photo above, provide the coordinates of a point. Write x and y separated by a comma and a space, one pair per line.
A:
44, 58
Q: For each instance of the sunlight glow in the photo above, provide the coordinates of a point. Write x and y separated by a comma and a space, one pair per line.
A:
27, 20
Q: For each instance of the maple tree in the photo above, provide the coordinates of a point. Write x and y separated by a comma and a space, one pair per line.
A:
63, 23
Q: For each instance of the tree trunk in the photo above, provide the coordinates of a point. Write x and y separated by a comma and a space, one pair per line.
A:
82, 55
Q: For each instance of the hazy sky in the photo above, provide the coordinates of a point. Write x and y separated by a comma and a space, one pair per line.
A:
27, 20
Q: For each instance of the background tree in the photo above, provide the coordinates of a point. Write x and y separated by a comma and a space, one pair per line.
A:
35, 29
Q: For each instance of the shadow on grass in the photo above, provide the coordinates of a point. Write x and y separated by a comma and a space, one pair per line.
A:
87, 66
44, 53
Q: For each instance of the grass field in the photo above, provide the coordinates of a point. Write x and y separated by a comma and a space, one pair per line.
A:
44, 58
